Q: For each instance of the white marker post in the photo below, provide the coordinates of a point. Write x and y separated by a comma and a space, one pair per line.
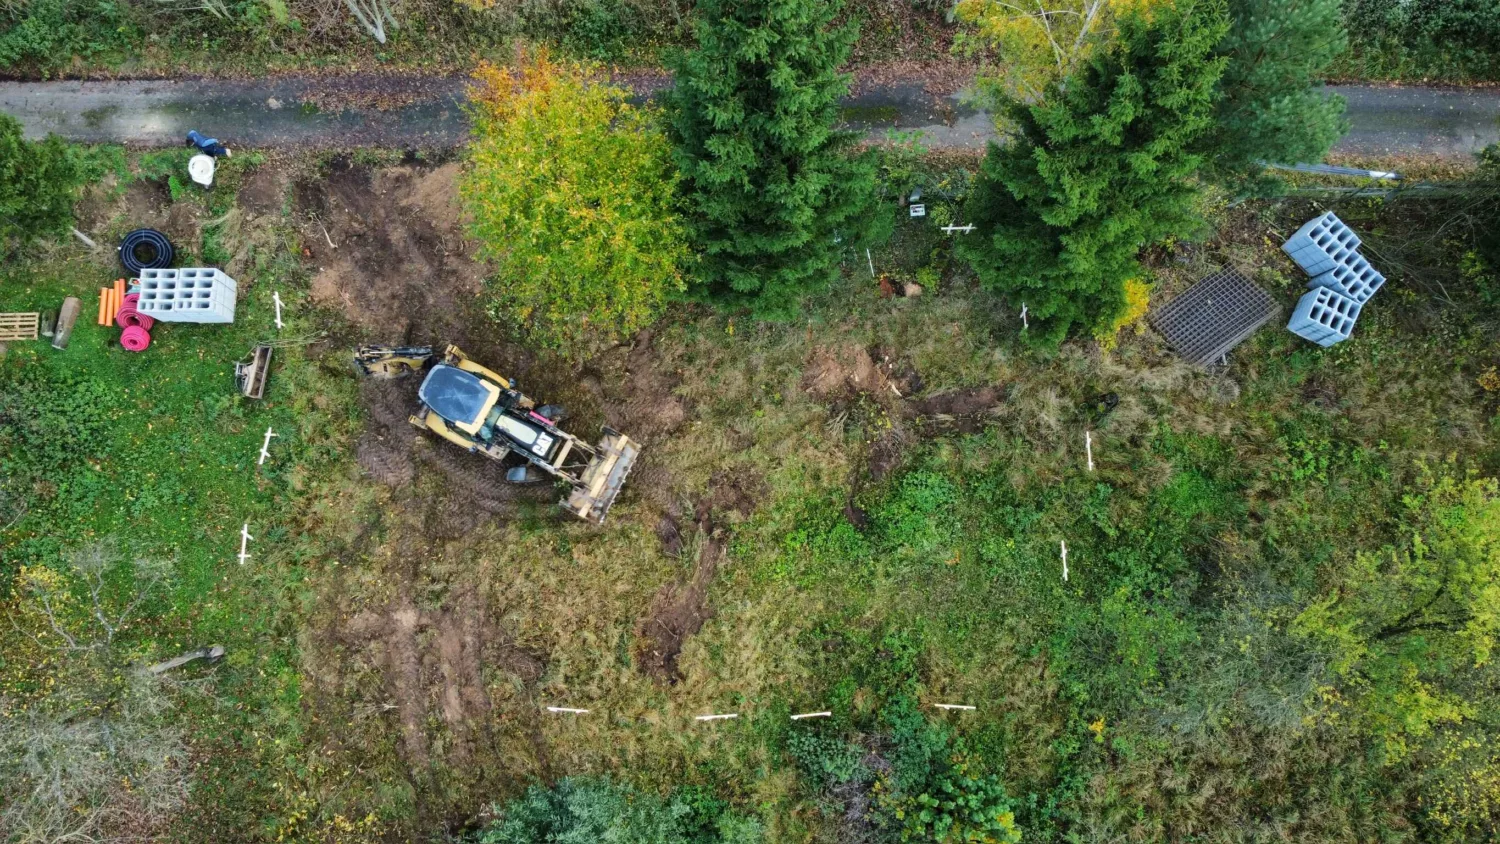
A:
245, 537
950, 229
717, 717
567, 710
1065, 559
276, 297
1088, 446
957, 706
812, 715
1024, 323
871, 259
264, 453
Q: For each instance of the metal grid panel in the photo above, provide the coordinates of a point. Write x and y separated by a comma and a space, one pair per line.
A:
1213, 316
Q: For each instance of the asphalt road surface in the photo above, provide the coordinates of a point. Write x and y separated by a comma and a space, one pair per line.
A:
371, 110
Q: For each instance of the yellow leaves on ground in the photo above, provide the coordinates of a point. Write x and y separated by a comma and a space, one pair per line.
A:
1137, 302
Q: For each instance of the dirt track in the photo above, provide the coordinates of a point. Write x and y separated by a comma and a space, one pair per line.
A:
427, 112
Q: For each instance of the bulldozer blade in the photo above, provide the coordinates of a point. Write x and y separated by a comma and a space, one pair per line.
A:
602, 480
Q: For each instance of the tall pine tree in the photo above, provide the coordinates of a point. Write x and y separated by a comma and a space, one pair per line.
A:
772, 189
1099, 169
1271, 107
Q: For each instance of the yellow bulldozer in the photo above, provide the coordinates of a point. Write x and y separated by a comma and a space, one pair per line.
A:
481, 411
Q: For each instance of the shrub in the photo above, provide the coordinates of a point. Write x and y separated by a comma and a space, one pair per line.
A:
1407, 629
37, 180
933, 793
45, 35
571, 191
587, 810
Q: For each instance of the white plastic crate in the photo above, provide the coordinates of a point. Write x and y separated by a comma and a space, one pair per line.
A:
188, 294
1324, 316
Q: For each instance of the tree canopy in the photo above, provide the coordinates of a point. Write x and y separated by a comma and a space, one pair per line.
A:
1271, 107
571, 192
1102, 167
774, 193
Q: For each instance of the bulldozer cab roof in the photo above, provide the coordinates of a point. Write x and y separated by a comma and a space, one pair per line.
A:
460, 397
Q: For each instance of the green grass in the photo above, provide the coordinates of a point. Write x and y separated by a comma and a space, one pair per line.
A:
1163, 692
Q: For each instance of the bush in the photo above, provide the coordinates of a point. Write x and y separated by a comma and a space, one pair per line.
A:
933, 792
1446, 38
587, 810
571, 192
45, 35
37, 180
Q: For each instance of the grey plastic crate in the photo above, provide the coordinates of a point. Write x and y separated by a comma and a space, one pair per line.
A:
189, 294
1324, 316
1355, 279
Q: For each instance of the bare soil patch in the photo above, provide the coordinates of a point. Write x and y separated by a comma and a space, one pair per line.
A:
264, 191
389, 249
432, 662
877, 389
680, 609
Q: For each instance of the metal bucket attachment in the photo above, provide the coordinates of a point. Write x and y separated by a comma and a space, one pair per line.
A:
251, 375
602, 480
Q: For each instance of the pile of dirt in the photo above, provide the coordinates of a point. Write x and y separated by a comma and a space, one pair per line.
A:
680, 609
389, 249
834, 373
880, 383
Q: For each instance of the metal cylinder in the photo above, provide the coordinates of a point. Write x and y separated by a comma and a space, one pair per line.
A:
65, 319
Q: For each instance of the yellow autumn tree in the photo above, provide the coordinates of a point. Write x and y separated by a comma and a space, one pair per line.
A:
571, 191
1036, 42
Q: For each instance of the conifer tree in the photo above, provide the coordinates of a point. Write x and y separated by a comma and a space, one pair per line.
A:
1271, 107
774, 193
1099, 169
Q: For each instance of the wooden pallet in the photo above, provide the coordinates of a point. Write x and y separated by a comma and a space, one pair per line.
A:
19, 326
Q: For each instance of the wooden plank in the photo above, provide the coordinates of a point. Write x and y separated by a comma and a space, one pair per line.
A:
19, 326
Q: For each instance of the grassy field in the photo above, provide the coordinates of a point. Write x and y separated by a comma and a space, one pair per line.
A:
860, 512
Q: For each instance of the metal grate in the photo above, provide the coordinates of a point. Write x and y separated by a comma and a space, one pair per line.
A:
19, 326
1213, 316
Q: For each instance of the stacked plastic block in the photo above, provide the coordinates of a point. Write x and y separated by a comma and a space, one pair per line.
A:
1342, 280
189, 294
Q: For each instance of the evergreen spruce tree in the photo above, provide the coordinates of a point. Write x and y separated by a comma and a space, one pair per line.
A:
38, 180
1099, 169
1271, 107
774, 193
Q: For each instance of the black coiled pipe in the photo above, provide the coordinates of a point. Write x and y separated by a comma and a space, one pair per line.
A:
144, 240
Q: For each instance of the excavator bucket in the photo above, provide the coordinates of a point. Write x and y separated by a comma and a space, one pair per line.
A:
601, 481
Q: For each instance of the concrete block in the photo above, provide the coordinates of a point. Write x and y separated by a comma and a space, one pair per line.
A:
1321, 244
188, 294
1324, 316
1355, 279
